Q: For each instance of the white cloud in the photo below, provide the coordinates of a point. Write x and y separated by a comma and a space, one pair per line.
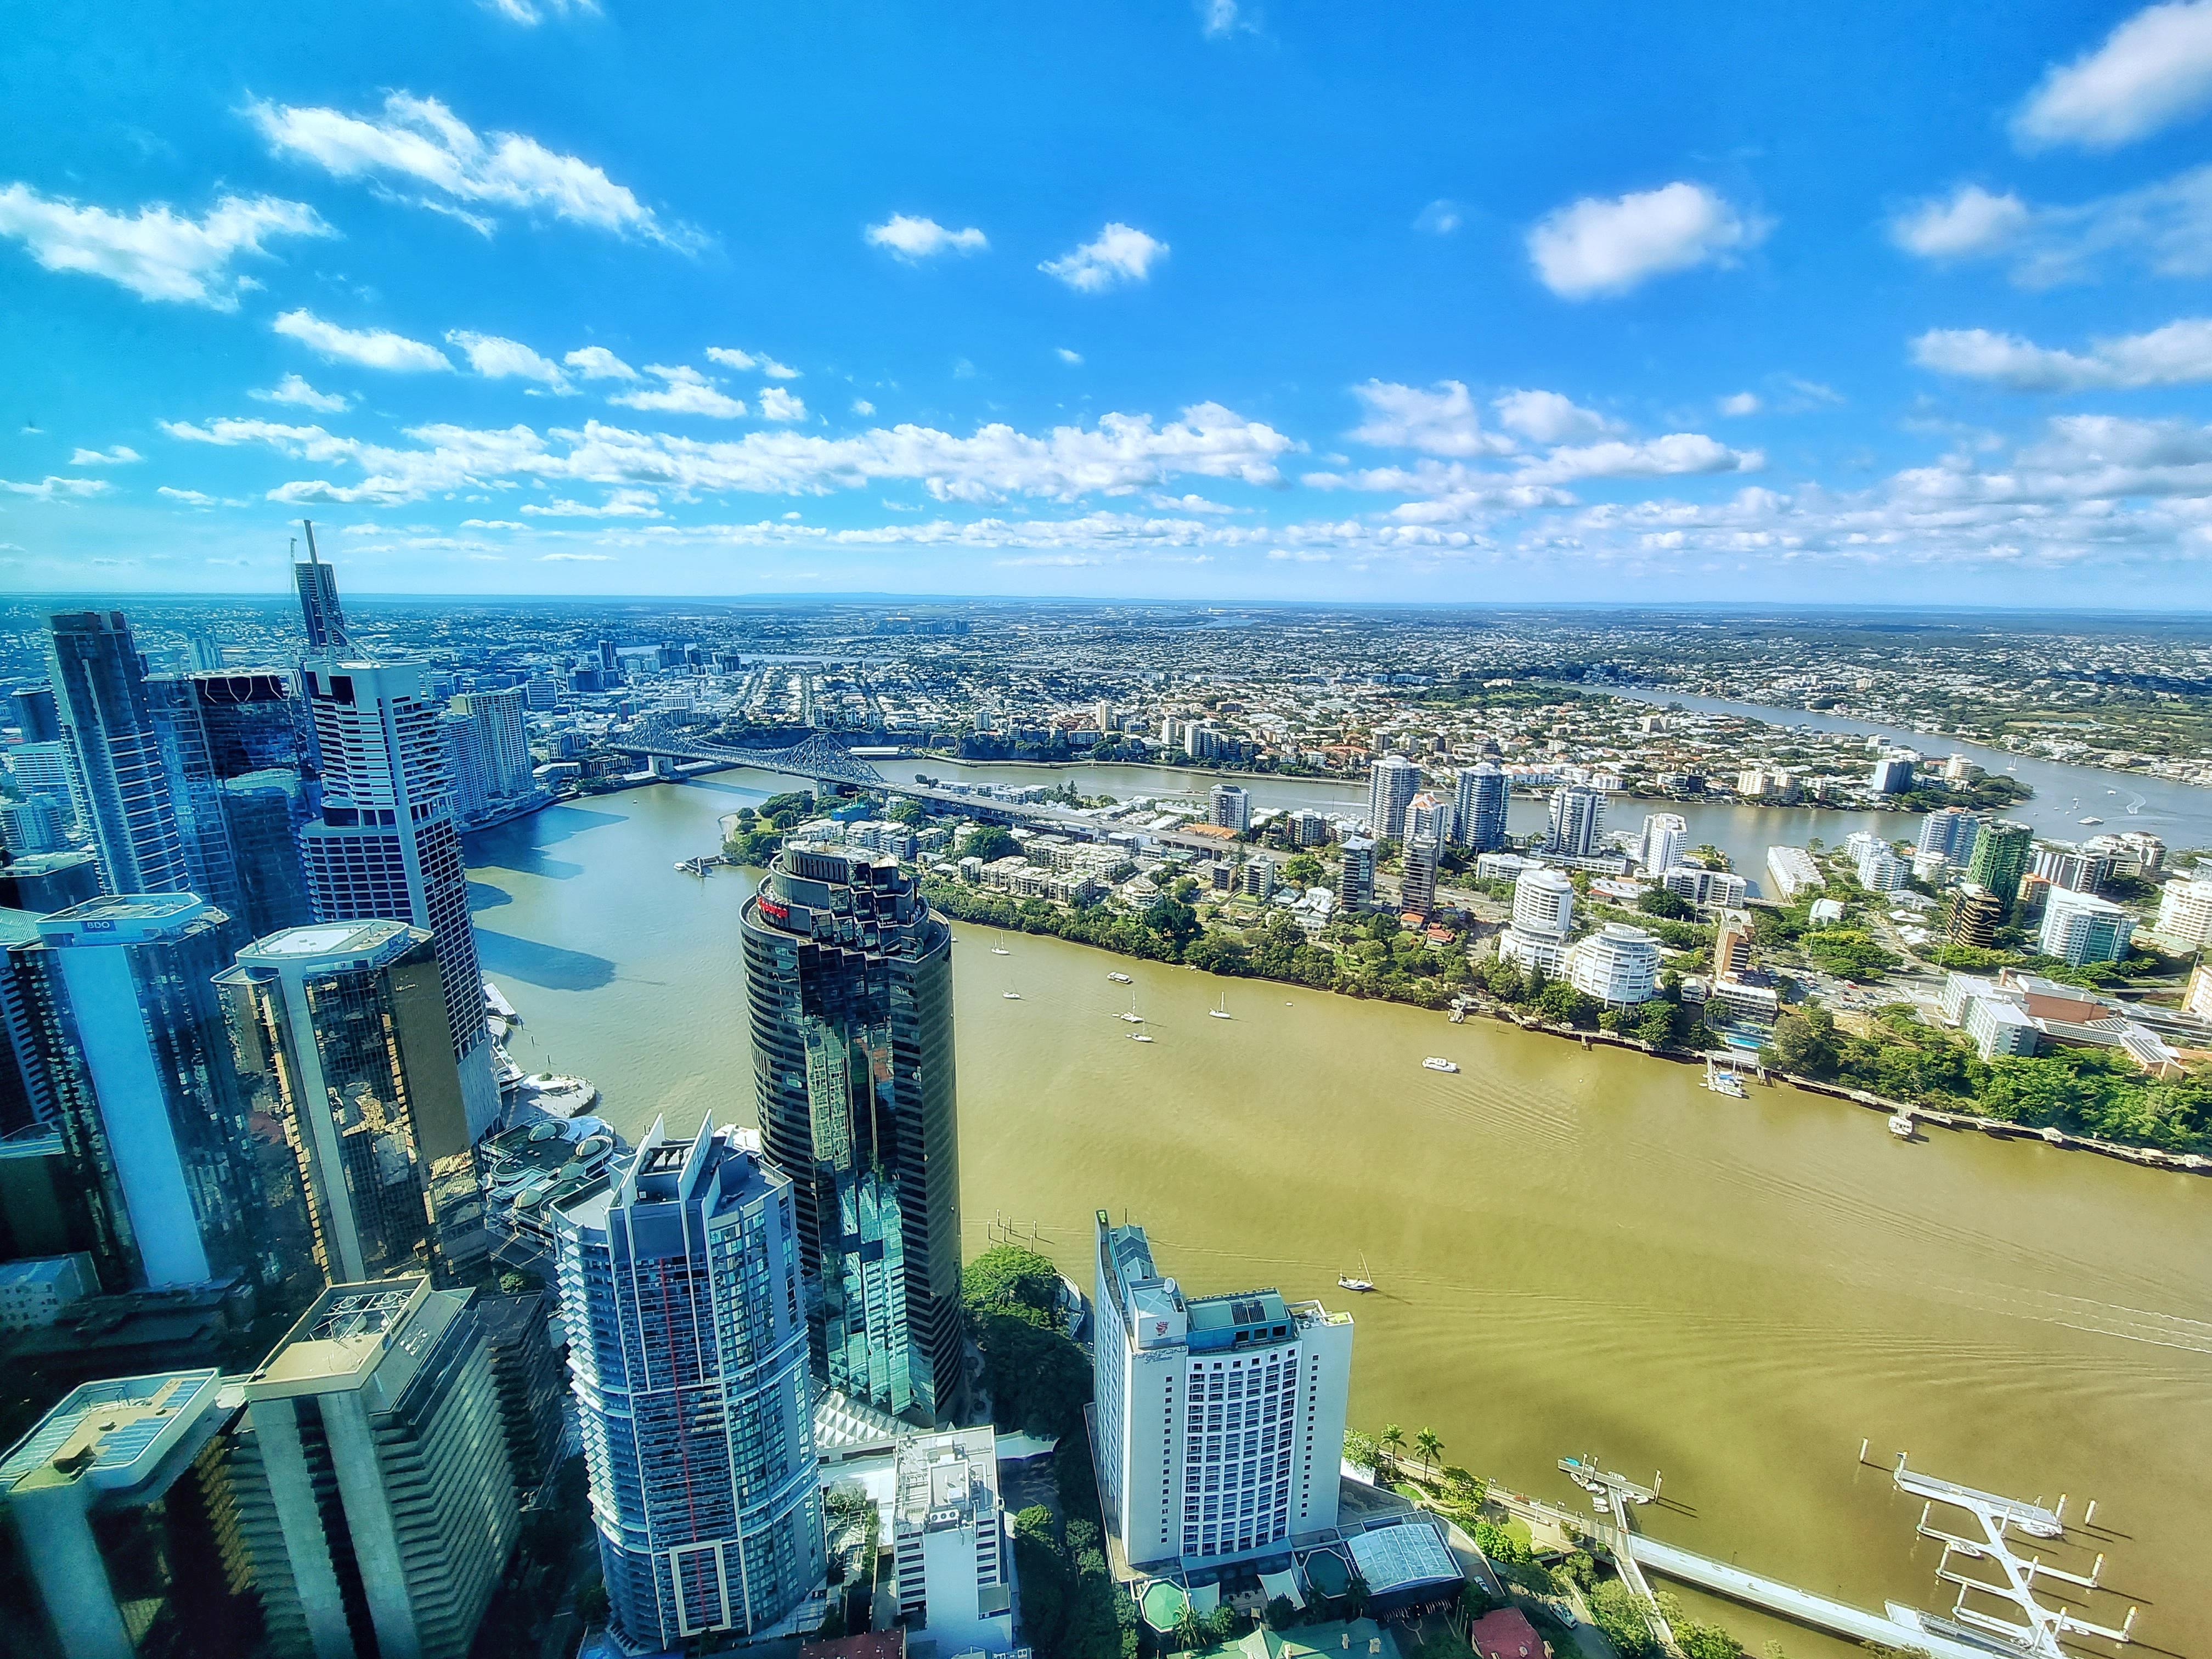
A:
1969, 222
419, 142
2153, 69
778, 405
862, 406
914, 239
1442, 421
1677, 452
1547, 417
731, 357
1594, 246
1300, 555
2167, 227
497, 359
55, 489
374, 348
1119, 254
156, 252
684, 390
121, 455
598, 363
294, 389
2176, 355
1219, 19
1440, 218
189, 497
531, 13
1074, 359
1739, 403
575, 558
619, 504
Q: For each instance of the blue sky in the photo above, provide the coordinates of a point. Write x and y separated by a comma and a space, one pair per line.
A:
1880, 303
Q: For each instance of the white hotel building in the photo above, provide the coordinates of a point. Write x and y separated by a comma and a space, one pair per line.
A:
1220, 1419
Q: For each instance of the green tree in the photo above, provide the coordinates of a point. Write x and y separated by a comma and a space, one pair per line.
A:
1430, 1448
1804, 1041
989, 843
1394, 1440
1010, 1278
1620, 1616
1282, 1612
1664, 901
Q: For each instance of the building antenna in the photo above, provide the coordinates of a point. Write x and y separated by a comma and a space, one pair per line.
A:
310, 525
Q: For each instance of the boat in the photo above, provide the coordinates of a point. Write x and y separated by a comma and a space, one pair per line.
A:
1139, 1036
997, 949
1900, 1125
496, 1000
1011, 996
1724, 1083
1363, 1284
1121, 979
1438, 1063
1132, 1017
2093, 820
1222, 1012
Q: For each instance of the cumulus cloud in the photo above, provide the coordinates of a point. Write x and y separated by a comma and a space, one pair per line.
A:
1596, 247
2153, 71
294, 389
1073, 359
1440, 218
121, 455
1219, 19
2176, 355
1970, 221
1439, 421
731, 357
619, 504
156, 252
497, 359
598, 363
575, 558
189, 497
1547, 417
57, 489
417, 143
1654, 458
374, 347
914, 239
1119, 254
531, 13
1120, 452
862, 406
777, 404
1739, 403
683, 391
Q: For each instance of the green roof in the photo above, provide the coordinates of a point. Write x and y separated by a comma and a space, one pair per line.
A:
1163, 1604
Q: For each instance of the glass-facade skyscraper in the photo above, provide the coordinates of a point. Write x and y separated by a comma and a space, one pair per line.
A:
679, 1282
342, 1031
1479, 822
114, 753
850, 980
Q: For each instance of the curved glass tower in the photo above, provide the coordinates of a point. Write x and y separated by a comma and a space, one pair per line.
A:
850, 978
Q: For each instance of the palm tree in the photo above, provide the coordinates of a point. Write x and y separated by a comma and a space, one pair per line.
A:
1394, 1440
1431, 1448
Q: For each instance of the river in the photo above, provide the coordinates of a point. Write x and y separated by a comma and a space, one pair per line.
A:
1577, 1251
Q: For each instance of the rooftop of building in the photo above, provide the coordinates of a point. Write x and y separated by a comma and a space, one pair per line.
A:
112, 1434
343, 942
44, 1269
346, 1337
722, 1167
944, 1478
102, 915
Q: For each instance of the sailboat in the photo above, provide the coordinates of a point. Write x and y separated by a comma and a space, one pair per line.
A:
1132, 1017
997, 949
1361, 1285
1222, 1012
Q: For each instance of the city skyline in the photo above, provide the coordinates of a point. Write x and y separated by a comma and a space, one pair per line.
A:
1748, 342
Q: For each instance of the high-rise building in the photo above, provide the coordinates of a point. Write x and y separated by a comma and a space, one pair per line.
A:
1880, 870
849, 976
2072, 869
1976, 913
43, 882
1732, 942
1578, 822
1892, 774
680, 1290
468, 761
2185, 913
386, 845
1431, 815
1355, 874
124, 795
1229, 805
507, 742
948, 1528
1392, 783
150, 1106
265, 813
1618, 964
1543, 920
1792, 871
319, 610
1479, 813
2001, 855
1950, 831
211, 867
1219, 1426
1417, 885
1665, 835
26, 1087
113, 1498
525, 1368
36, 717
252, 719
373, 1498
31, 825
42, 771
341, 1030
2079, 928
1309, 828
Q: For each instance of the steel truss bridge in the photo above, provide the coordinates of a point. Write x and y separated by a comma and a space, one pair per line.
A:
818, 756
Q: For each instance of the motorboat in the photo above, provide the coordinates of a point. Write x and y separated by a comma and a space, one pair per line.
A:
1011, 996
558, 1095
1139, 1036
1438, 1063
1121, 979
1724, 1083
1222, 1012
2093, 820
1900, 1125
